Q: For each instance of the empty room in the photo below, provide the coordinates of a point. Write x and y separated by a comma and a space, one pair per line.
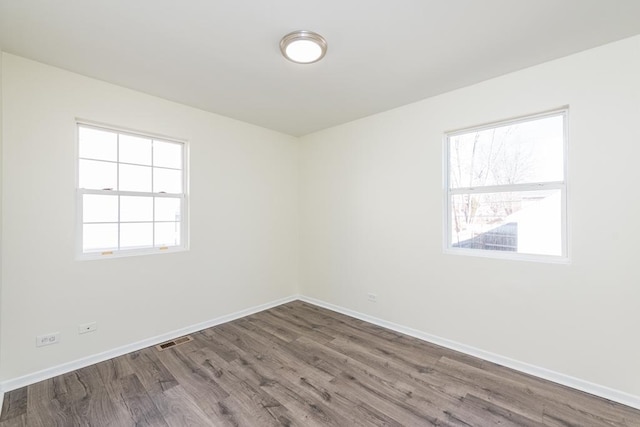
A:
365, 212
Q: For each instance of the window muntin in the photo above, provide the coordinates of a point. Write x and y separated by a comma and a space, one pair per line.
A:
131, 197
506, 188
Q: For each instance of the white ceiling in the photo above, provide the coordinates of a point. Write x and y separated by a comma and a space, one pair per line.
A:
223, 56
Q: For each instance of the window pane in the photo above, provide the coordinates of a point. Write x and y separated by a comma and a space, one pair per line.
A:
167, 209
97, 175
167, 154
167, 180
528, 222
136, 208
135, 178
97, 144
96, 208
99, 237
134, 149
167, 234
513, 154
139, 235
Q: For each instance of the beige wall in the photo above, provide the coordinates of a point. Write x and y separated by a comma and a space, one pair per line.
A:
372, 215
243, 222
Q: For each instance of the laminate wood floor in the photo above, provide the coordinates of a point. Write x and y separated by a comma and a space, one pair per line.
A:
301, 365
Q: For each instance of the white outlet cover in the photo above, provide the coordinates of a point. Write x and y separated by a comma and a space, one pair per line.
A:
47, 339
87, 327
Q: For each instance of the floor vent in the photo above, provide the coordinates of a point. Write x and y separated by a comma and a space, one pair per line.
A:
173, 343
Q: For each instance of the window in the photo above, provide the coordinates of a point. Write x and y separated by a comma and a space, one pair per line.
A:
506, 188
131, 193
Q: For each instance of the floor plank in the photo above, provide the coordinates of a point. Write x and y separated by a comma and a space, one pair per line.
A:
302, 365
15, 404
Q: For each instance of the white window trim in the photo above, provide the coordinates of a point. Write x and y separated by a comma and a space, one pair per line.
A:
122, 253
561, 185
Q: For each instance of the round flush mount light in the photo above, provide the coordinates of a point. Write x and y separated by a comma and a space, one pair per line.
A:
303, 47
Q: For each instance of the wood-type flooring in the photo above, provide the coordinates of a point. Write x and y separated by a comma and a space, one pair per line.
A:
301, 365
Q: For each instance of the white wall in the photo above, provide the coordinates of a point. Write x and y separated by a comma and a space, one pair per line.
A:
371, 221
244, 230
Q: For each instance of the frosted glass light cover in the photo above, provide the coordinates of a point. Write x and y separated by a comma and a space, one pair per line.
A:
303, 47
304, 51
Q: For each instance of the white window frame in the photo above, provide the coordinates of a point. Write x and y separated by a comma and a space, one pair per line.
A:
80, 192
449, 192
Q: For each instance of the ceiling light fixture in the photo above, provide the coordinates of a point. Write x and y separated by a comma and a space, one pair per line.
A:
303, 47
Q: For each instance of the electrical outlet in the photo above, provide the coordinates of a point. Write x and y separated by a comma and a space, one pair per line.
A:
372, 297
87, 327
42, 340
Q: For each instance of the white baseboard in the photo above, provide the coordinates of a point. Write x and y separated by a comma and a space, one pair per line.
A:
556, 377
54, 371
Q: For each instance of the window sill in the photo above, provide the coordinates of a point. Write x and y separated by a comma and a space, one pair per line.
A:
128, 253
509, 256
